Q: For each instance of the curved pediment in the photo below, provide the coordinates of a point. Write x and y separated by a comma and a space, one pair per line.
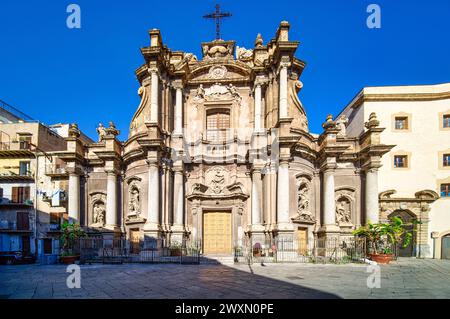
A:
219, 70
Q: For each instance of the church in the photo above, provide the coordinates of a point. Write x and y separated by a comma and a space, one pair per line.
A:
219, 151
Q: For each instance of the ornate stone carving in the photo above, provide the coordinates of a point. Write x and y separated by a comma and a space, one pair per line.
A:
217, 178
217, 72
244, 54
304, 198
343, 211
259, 41
217, 92
134, 201
111, 130
101, 131
341, 125
99, 214
74, 131
217, 49
345, 198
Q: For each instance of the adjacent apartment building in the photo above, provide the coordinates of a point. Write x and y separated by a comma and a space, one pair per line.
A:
414, 179
25, 202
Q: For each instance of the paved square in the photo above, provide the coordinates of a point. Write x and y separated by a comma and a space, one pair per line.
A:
407, 278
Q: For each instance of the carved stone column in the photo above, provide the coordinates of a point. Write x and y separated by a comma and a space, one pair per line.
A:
258, 110
283, 193
74, 197
329, 228
178, 120
284, 90
257, 229
178, 207
154, 96
111, 200
152, 225
372, 202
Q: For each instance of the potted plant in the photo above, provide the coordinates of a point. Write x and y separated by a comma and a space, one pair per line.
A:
175, 249
382, 237
70, 233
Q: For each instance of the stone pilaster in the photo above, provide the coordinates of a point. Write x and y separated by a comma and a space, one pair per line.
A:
372, 201
284, 90
178, 112
111, 201
178, 228
257, 228
154, 98
329, 229
74, 197
152, 229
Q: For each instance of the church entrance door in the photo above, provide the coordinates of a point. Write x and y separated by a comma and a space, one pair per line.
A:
135, 239
217, 233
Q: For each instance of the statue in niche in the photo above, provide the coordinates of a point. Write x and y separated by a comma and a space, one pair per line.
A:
303, 209
101, 130
99, 215
341, 124
343, 214
134, 200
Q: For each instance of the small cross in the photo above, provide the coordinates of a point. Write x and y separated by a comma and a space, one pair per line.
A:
218, 16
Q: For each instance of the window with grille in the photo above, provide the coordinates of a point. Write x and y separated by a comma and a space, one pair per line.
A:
401, 123
446, 160
445, 190
217, 125
446, 121
400, 161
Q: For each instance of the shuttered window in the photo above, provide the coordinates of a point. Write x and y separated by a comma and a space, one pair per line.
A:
23, 221
217, 125
20, 194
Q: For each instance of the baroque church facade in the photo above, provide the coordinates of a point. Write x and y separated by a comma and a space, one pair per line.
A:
219, 151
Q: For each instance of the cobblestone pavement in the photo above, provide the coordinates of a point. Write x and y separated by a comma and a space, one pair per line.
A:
407, 278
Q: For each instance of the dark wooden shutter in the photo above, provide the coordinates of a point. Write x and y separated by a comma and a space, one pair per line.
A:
26, 193
23, 221
15, 195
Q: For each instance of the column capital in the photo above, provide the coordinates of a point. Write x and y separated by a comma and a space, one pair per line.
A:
177, 85
153, 69
110, 172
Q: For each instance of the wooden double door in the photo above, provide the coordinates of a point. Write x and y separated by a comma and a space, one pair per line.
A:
217, 233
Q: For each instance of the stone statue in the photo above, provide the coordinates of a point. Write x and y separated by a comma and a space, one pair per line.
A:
134, 200
233, 91
101, 132
342, 212
341, 124
303, 209
200, 95
99, 214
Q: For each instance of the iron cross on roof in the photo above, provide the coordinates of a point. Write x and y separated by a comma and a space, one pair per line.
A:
218, 16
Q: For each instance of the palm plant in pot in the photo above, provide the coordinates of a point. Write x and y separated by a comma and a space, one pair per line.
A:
382, 238
70, 233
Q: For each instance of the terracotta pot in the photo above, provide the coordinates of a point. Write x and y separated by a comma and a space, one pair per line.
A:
382, 258
68, 260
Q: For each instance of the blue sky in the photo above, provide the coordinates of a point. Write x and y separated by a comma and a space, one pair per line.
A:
56, 74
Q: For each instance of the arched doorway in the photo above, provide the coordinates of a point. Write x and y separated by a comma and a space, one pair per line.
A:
407, 218
445, 247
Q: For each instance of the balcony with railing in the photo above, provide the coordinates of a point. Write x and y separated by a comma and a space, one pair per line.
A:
219, 146
56, 170
15, 146
21, 198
